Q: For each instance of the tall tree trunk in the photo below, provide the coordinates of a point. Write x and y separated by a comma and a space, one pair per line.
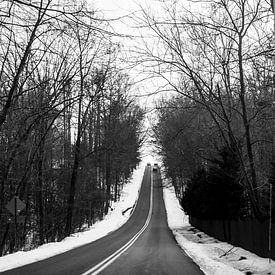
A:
108, 183
40, 194
252, 184
71, 200
116, 187
3, 241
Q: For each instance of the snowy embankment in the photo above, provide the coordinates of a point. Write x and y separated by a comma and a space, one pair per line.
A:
213, 257
111, 222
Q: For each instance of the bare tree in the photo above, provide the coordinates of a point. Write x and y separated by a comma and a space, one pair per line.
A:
207, 57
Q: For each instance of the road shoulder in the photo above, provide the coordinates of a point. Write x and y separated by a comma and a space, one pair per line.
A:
213, 257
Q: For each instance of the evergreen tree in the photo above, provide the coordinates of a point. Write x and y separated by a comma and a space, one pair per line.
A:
217, 193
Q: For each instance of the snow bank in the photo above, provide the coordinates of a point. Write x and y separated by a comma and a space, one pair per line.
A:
213, 257
111, 222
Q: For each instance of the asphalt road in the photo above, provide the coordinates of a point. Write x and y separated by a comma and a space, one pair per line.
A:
143, 245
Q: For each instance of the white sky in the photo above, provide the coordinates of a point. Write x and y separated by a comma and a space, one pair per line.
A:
115, 6
113, 9
118, 7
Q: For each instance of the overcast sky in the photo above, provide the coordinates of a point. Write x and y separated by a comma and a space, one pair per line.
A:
118, 7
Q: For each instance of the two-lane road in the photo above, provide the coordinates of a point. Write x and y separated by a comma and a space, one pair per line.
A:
156, 251
143, 245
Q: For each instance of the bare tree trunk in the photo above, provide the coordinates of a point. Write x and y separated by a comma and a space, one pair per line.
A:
3, 241
69, 217
108, 182
116, 187
253, 185
40, 194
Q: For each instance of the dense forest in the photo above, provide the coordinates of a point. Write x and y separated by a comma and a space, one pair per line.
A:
70, 132
71, 129
216, 130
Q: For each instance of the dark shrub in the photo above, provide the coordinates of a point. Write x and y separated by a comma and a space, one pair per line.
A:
218, 192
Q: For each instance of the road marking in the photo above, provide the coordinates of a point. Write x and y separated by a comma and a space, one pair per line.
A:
105, 263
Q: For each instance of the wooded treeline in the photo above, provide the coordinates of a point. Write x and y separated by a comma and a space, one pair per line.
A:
216, 130
70, 132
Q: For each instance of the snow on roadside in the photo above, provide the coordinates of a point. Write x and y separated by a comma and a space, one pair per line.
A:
213, 257
111, 222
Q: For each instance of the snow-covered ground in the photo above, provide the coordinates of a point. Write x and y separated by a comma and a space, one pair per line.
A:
213, 257
111, 222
